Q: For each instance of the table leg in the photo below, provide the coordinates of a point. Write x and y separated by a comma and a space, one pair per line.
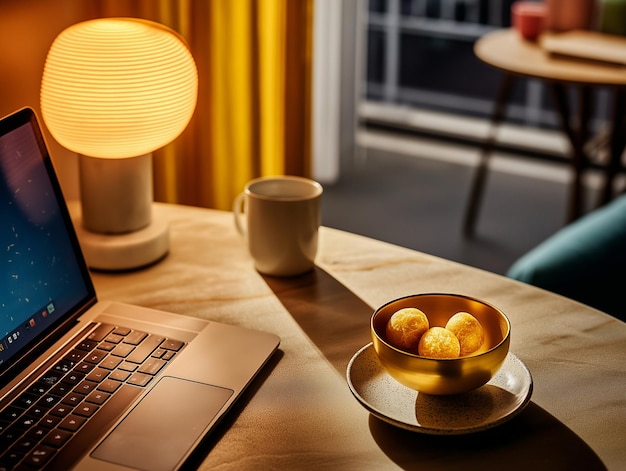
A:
617, 144
577, 136
480, 175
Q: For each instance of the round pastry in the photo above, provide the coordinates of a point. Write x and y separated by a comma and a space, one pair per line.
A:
406, 327
468, 330
438, 342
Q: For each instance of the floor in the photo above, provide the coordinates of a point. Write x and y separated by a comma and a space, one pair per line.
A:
415, 197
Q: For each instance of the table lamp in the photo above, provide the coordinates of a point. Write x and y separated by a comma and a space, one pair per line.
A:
114, 90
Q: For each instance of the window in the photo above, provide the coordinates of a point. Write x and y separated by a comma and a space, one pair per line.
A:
420, 53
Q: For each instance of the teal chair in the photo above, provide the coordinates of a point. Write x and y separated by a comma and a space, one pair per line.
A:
585, 261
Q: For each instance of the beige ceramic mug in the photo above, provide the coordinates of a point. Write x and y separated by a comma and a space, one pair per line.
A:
280, 218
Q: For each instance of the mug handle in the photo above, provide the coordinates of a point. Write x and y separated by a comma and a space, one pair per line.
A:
239, 210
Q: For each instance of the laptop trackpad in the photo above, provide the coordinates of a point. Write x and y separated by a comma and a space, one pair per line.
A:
162, 428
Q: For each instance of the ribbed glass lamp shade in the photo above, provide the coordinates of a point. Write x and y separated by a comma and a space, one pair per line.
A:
118, 87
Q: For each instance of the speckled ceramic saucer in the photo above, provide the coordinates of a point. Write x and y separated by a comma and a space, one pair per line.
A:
499, 400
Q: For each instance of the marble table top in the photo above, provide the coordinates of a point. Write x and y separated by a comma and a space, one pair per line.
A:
300, 413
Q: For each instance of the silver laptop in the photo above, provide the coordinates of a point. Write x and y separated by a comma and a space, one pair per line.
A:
86, 384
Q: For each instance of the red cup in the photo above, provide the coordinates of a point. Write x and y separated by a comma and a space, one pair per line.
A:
529, 19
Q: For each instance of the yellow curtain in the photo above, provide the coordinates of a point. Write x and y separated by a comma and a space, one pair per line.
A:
253, 116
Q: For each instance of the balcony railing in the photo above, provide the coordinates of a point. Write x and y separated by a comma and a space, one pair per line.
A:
420, 54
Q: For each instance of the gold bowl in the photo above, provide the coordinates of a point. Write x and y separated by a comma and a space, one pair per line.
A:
449, 375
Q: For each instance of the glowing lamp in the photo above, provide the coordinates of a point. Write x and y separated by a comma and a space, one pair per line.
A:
114, 90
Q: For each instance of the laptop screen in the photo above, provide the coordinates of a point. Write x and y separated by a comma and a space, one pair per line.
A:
43, 278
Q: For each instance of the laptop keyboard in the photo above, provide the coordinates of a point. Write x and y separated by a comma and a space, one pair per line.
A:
39, 422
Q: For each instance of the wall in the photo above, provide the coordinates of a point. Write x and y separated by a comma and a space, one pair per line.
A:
27, 28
